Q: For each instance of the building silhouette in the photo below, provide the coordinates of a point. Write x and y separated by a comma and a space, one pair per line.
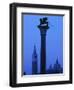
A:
43, 26
56, 68
34, 61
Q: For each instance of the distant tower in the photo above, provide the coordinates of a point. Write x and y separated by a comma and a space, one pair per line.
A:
57, 67
34, 61
43, 27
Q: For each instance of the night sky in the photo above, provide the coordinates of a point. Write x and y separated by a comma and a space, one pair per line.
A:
31, 37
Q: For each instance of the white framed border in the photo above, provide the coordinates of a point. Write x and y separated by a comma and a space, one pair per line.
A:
43, 78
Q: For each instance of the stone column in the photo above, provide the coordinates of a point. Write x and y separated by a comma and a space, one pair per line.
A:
43, 29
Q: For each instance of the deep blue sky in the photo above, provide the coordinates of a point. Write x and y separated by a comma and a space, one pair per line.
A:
31, 37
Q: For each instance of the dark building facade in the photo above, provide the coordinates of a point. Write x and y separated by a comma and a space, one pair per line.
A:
34, 61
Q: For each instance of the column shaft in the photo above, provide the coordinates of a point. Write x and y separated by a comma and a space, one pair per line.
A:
43, 54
